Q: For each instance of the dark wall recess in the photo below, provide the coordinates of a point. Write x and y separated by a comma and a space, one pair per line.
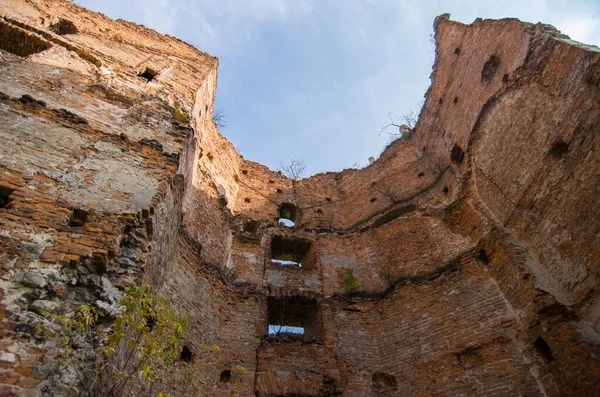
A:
78, 217
5, 193
225, 376
457, 155
18, 42
384, 385
490, 68
543, 349
558, 149
186, 354
63, 27
148, 74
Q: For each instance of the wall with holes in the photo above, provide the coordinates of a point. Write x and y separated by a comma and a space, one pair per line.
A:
462, 262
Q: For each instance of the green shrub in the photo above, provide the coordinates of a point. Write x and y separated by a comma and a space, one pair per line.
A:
350, 282
134, 353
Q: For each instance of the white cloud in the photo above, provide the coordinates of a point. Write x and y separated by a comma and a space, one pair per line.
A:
323, 74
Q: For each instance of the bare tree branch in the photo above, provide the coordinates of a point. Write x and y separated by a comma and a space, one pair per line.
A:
221, 119
404, 123
295, 169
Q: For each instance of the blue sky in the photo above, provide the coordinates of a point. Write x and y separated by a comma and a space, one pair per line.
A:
315, 79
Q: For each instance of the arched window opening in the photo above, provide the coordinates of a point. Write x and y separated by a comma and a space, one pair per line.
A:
287, 214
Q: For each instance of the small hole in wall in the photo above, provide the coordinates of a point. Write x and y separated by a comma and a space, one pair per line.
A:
384, 384
186, 354
457, 51
5, 193
206, 108
455, 100
245, 172
483, 257
558, 149
251, 227
279, 191
328, 198
440, 101
373, 199
148, 74
421, 174
63, 27
225, 376
490, 68
457, 155
445, 190
78, 217
329, 388
319, 211
505, 78
150, 322
543, 349
246, 200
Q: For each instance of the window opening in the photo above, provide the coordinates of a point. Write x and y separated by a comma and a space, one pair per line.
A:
292, 316
291, 252
148, 74
287, 214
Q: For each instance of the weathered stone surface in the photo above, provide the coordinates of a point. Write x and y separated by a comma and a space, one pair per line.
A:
30, 279
473, 242
43, 306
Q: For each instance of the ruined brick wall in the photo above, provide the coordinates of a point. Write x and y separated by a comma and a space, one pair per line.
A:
88, 164
470, 248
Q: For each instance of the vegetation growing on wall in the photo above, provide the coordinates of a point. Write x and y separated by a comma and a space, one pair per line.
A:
138, 354
351, 285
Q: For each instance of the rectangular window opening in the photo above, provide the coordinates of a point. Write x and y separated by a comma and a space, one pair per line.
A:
292, 252
20, 43
148, 74
5, 193
292, 316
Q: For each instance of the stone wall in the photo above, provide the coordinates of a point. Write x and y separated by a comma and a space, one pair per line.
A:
470, 247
